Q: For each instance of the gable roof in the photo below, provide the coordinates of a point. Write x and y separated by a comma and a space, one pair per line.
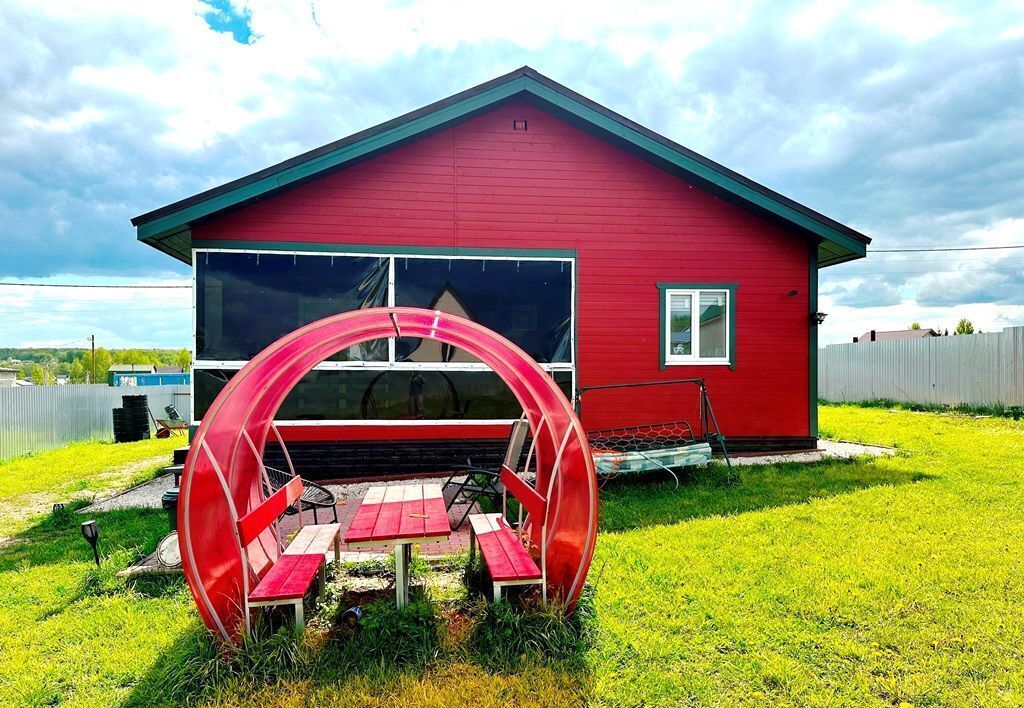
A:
169, 228
881, 336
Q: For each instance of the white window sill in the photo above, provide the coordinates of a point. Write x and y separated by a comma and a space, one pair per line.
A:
698, 362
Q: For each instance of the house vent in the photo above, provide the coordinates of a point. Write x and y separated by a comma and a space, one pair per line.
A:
519, 124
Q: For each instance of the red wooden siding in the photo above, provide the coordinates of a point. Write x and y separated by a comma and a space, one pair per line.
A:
483, 185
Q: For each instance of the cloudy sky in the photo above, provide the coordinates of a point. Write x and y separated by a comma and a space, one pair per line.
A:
903, 119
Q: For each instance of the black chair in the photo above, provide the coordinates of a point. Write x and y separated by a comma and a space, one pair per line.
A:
313, 495
479, 482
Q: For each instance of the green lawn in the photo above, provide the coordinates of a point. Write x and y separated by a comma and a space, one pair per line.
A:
872, 582
30, 485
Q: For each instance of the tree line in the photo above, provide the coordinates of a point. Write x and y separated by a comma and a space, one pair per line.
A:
43, 365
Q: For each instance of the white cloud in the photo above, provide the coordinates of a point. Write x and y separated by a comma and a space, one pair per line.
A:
119, 317
910, 19
111, 109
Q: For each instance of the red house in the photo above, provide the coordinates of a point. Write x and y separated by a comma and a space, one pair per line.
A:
608, 252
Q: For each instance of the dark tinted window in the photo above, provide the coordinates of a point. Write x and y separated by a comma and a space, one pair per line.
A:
392, 395
246, 301
526, 301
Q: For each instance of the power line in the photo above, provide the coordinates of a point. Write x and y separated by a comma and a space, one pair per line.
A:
78, 285
850, 274
923, 250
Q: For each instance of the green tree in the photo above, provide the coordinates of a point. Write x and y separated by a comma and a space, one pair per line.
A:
964, 326
39, 375
103, 362
77, 371
134, 356
183, 359
915, 325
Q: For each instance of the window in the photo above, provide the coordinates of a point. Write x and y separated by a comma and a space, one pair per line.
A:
246, 300
697, 324
526, 301
367, 394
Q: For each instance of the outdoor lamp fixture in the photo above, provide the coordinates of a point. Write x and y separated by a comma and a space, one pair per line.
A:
91, 532
819, 317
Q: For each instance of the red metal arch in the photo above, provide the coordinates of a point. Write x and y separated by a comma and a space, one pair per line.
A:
221, 480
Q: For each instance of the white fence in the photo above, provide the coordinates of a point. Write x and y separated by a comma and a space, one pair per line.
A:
977, 369
36, 418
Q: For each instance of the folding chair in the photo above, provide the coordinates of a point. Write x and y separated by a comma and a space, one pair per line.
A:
480, 482
172, 425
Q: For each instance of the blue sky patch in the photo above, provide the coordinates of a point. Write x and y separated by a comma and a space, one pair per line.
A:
225, 17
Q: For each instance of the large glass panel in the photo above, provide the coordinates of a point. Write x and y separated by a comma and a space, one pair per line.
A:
390, 395
527, 301
680, 325
713, 325
246, 301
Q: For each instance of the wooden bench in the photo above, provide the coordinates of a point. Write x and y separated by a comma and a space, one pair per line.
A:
291, 576
500, 547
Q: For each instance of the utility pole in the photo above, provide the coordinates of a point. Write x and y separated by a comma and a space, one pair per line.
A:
92, 339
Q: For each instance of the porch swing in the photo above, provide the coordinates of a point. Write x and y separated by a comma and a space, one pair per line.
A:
669, 446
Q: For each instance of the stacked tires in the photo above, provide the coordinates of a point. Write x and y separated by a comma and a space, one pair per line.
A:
131, 421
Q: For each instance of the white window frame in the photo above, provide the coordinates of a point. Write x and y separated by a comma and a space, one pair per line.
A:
694, 358
390, 364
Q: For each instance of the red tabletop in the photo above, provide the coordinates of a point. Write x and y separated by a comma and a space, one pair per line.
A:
400, 513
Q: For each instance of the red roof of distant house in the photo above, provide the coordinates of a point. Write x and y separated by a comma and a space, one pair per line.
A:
897, 334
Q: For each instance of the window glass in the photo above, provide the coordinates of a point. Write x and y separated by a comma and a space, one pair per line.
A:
246, 301
680, 324
528, 302
713, 325
386, 395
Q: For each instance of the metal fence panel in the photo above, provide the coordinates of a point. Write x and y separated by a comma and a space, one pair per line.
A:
37, 418
979, 369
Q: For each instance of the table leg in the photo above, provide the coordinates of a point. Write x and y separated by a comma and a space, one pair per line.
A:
401, 576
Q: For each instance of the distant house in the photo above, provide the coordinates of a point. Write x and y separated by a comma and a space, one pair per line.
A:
62, 379
879, 336
131, 375
168, 370
8, 377
116, 370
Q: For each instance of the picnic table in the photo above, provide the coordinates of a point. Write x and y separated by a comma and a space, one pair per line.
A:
400, 516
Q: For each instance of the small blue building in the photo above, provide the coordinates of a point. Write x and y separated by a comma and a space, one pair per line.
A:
132, 379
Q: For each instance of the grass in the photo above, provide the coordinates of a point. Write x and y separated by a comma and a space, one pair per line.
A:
31, 484
1014, 412
871, 582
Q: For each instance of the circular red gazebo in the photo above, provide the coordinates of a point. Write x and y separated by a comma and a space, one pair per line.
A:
222, 476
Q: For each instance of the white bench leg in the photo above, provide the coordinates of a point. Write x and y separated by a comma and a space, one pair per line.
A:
497, 593
300, 619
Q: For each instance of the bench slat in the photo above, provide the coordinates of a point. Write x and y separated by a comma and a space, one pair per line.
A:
312, 539
494, 555
505, 555
253, 524
531, 500
289, 579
